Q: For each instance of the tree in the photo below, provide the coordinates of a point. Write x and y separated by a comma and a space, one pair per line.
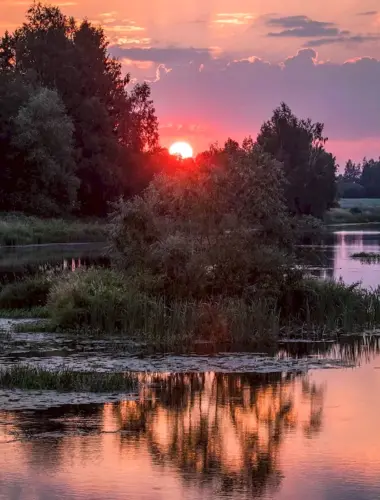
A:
370, 178
309, 170
112, 126
43, 134
352, 172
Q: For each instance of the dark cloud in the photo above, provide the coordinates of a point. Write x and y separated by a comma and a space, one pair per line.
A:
368, 13
164, 55
235, 98
303, 27
354, 39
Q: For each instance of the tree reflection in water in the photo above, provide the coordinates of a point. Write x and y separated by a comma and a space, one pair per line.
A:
220, 431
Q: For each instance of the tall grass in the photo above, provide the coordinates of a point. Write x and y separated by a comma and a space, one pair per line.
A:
23, 230
30, 378
108, 301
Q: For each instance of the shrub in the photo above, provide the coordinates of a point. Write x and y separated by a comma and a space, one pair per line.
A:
216, 230
25, 294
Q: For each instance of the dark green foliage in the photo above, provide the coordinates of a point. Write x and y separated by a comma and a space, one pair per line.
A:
30, 378
309, 170
25, 294
113, 128
360, 180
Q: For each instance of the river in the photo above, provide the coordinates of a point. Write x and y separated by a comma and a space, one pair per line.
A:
302, 423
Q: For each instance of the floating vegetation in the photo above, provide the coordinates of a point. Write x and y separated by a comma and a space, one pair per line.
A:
30, 378
367, 257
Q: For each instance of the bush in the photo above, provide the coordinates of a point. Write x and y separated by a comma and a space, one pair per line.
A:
25, 294
218, 230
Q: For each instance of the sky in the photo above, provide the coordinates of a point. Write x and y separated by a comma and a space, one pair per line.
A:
218, 68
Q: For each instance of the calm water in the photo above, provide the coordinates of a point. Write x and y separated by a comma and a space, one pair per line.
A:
205, 436
278, 436
334, 258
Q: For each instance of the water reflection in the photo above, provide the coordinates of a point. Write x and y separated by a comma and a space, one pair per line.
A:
221, 434
333, 258
206, 436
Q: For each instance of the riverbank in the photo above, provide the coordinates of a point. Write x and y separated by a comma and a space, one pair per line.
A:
356, 215
19, 229
104, 302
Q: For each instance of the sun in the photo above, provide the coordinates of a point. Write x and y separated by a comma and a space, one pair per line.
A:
182, 149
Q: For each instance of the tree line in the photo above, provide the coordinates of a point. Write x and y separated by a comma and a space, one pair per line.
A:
75, 134
360, 180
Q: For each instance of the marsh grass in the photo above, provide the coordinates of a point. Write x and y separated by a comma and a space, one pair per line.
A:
18, 229
352, 215
108, 302
323, 307
367, 257
30, 378
37, 312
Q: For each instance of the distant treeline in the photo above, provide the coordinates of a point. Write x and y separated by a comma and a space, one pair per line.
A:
360, 180
75, 134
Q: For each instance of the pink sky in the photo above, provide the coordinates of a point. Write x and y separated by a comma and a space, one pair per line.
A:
219, 67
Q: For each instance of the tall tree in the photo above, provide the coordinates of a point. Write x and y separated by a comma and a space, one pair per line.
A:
110, 123
352, 172
309, 170
37, 168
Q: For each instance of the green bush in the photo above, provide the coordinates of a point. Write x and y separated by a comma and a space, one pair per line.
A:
25, 294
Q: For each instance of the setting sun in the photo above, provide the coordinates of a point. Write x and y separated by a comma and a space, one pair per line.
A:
182, 149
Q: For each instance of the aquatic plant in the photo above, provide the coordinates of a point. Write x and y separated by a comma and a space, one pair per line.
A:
366, 257
31, 378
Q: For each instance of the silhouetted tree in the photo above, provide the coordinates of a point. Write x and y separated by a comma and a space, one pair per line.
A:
111, 124
309, 170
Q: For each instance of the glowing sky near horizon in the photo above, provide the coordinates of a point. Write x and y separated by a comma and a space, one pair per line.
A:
219, 67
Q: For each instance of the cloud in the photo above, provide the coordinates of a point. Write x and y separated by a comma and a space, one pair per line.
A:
164, 55
235, 18
368, 13
233, 98
354, 39
302, 26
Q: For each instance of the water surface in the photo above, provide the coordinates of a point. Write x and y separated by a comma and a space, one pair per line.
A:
205, 436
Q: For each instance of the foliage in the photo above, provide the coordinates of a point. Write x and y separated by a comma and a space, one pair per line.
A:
25, 294
361, 180
30, 378
215, 229
113, 128
43, 136
309, 170
18, 229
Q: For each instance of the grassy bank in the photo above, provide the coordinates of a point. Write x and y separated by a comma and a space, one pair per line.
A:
107, 302
353, 215
29, 378
25, 230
